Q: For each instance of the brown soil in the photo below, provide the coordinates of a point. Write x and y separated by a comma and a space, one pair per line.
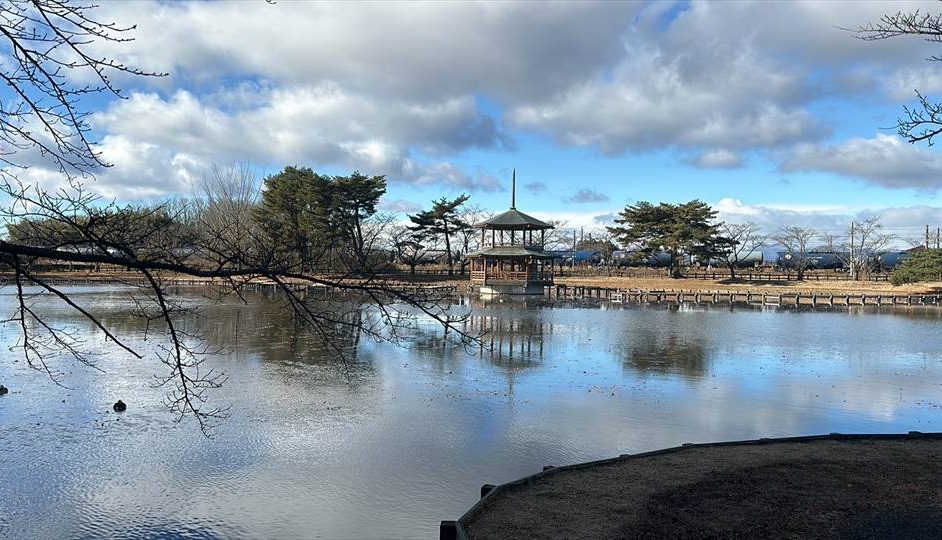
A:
820, 489
644, 283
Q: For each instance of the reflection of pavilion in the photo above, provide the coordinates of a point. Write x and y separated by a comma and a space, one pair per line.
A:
511, 259
509, 339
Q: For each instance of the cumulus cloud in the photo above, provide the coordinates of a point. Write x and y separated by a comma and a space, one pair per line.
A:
426, 51
318, 126
884, 160
585, 195
685, 86
296, 82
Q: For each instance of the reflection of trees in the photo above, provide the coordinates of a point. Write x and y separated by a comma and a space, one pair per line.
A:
266, 326
667, 343
654, 354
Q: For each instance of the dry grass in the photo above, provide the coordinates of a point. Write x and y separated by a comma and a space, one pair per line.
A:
643, 283
820, 489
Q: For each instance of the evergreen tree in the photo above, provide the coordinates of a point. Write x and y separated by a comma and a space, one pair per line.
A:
923, 266
678, 229
441, 221
354, 201
295, 213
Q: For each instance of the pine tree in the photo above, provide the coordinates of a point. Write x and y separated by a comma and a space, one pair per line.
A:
442, 220
678, 229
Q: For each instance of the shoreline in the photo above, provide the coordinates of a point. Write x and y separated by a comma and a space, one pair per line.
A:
624, 284
827, 485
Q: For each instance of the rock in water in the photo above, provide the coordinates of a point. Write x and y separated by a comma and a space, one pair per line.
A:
120, 406
3, 390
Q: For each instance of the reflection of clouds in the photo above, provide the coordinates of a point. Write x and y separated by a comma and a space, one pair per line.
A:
401, 437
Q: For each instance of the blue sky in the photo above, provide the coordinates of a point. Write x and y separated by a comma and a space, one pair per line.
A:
768, 111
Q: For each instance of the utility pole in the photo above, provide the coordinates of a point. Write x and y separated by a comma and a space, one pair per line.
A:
573, 262
853, 258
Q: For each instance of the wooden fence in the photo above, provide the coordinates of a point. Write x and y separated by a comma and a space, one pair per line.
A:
809, 298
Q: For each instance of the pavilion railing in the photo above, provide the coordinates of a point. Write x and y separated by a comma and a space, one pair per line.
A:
481, 276
516, 243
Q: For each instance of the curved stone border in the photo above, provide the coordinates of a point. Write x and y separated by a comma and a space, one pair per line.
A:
455, 530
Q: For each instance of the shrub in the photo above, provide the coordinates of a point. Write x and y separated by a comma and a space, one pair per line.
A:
923, 266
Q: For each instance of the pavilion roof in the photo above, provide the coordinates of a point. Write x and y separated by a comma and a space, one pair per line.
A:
512, 252
513, 219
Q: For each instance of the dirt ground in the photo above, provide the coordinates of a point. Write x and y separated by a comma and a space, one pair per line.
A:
819, 489
644, 283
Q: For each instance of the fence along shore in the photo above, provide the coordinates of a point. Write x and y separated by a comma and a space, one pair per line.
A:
797, 298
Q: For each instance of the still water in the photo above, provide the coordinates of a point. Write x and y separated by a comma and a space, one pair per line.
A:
388, 444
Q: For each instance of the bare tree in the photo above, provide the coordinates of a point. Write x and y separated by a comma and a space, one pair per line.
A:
469, 238
743, 240
224, 205
923, 122
375, 230
797, 243
560, 238
410, 247
48, 43
865, 240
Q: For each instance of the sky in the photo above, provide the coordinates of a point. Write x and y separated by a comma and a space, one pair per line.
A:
770, 112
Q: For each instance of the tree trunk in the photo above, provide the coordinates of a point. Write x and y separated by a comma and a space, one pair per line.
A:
451, 267
675, 268
732, 270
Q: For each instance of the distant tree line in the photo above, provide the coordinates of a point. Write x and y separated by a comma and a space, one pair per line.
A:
690, 231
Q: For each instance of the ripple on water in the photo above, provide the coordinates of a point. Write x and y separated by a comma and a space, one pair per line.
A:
401, 439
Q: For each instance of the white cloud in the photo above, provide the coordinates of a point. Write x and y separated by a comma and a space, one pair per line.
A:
686, 86
406, 91
885, 160
420, 51
574, 220
716, 159
586, 195
398, 206
904, 222
319, 126
903, 84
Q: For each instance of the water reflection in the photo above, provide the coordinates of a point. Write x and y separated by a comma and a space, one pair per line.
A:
654, 353
510, 339
397, 438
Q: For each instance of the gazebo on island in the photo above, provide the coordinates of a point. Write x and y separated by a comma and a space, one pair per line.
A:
511, 259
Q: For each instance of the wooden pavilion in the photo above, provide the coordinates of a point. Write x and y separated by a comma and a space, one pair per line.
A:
512, 259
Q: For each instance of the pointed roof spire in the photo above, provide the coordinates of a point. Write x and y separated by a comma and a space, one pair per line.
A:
513, 191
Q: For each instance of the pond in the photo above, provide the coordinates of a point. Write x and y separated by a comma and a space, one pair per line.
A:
396, 439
